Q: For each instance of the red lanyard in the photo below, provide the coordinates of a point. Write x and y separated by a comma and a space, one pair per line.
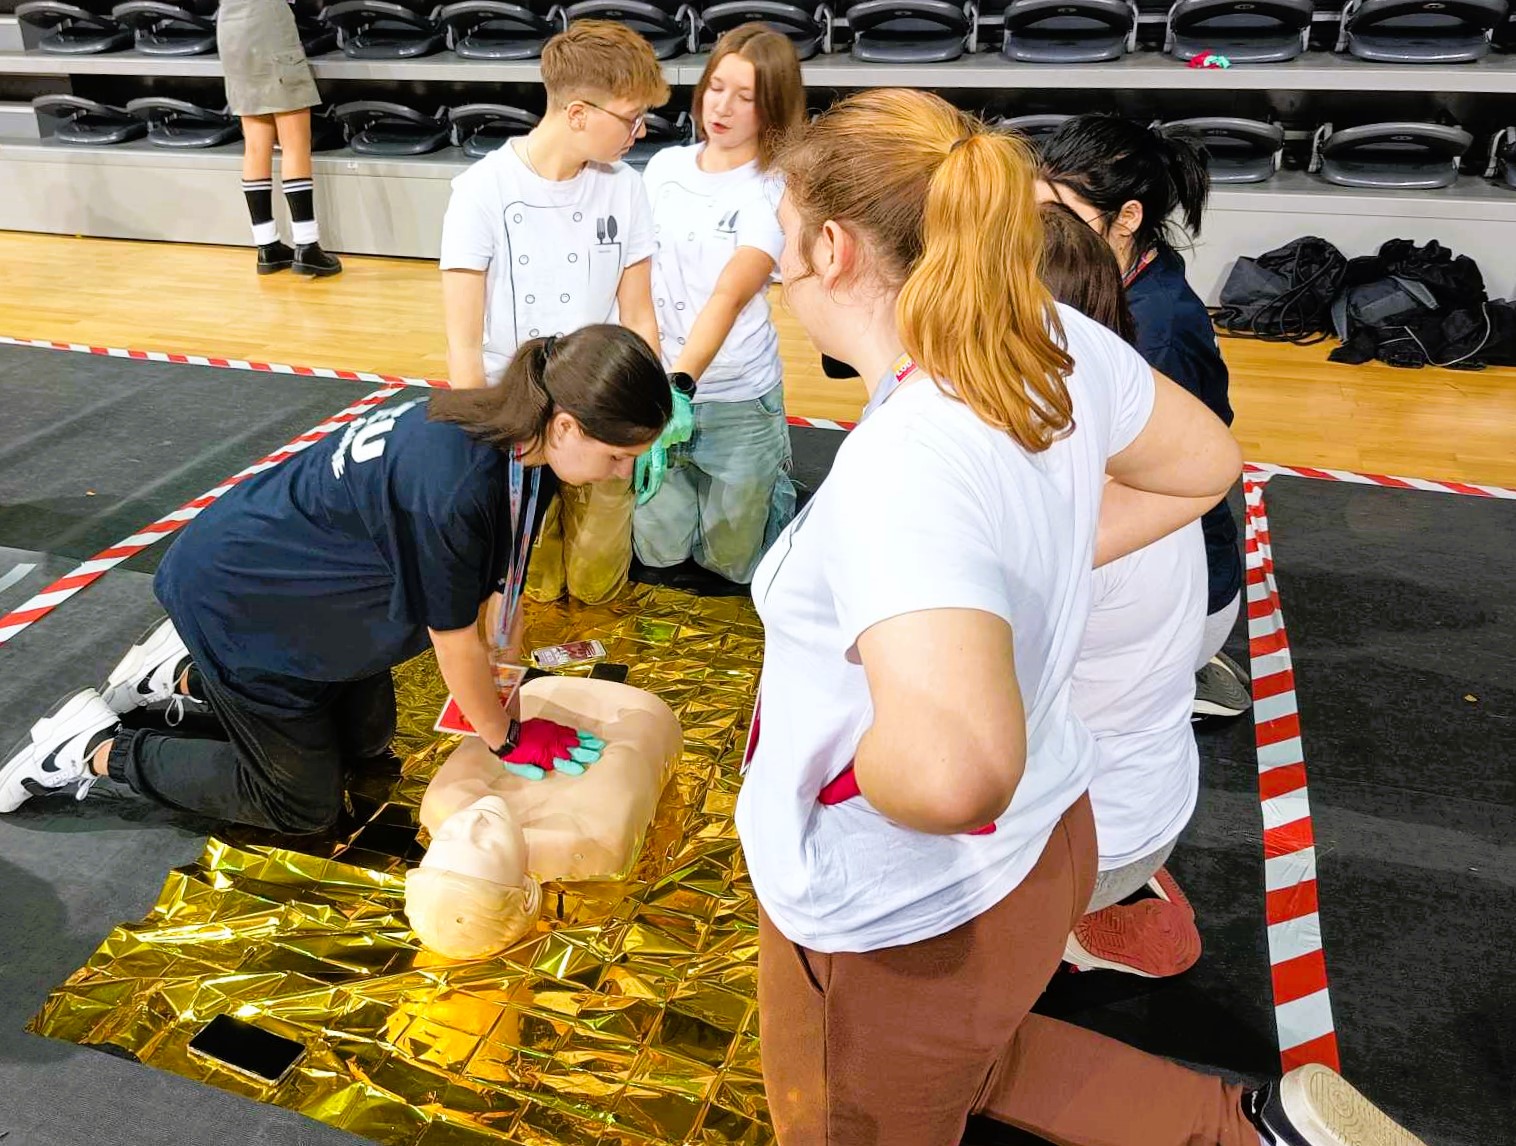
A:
1141, 265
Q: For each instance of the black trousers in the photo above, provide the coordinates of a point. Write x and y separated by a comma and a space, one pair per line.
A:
249, 765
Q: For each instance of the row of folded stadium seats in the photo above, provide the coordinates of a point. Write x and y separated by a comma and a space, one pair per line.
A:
1382, 156
880, 31
368, 127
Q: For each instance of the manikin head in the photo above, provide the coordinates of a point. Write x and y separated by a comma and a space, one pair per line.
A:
471, 897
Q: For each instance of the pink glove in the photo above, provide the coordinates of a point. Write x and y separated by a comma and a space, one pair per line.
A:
545, 746
845, 787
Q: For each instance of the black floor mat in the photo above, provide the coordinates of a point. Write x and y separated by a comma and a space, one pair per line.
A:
92, 448
1401, 614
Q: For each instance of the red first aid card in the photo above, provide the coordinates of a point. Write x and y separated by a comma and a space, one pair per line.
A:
451, 719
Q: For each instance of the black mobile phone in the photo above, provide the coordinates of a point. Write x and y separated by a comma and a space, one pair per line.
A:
614, 672
246, 1049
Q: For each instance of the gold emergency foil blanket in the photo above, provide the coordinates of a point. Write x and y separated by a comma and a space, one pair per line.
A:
628, 1017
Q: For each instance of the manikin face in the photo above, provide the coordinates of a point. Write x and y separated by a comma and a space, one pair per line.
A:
579, 459
609, 127
484, 841
729, 112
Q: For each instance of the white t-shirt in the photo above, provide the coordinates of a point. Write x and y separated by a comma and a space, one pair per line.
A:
927, 507
553, 251
1134, 687
700, 220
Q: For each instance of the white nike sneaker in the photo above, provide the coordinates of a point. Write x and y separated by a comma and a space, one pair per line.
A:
57, 750
150, 671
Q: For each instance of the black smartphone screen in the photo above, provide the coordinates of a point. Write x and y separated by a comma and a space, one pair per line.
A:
612, 672
247, 1048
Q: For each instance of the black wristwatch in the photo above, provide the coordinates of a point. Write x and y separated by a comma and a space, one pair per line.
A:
512, 738
682, 382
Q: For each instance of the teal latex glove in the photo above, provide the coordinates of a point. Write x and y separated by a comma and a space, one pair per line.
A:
681, 424
647, 478
546, 746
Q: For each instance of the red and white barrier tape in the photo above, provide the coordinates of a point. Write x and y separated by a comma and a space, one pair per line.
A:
1266, 470
229, 363
1262, 468
1302, 1004
96, 567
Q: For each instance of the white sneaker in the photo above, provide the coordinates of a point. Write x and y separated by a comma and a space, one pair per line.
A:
149, 673
57, 750
1314, 1106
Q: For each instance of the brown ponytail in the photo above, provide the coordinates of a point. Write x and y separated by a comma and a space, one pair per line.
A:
949, 212
607, 377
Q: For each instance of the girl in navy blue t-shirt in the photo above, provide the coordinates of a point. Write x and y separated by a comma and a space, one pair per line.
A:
291, 598
1127, 181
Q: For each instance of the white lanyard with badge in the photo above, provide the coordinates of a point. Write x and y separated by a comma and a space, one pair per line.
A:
508, 675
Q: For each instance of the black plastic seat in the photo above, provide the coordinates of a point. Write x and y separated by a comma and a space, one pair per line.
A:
1236, 150
73, 119
666, 24
661, 132
1244, 31
1069, 31
378, 127
326, 130
808, 29
480, 128
73, 30
498, 30
1036, 129
1390, 156
179, 124
1419, 31
1503, 38
163, 29
908, 31
1503, 156
317, 37
384, 30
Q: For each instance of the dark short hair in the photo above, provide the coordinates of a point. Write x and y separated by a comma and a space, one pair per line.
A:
1080, 269
605, 376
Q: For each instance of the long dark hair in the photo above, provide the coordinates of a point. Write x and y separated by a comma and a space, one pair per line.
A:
605, 376
1081, 270
1108, 160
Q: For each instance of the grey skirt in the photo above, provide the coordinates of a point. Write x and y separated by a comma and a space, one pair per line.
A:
265, 66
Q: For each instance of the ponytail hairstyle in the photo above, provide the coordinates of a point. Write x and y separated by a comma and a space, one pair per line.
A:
605, 377
779, 92
1080, 269
1109, 160
946, 210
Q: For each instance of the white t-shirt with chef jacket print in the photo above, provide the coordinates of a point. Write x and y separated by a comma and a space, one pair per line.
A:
700, 220
552, 250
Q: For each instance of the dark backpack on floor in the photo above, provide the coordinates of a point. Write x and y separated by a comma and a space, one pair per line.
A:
1284, 295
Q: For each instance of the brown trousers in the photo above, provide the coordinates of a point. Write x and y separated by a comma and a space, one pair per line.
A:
898, 1047
584, 545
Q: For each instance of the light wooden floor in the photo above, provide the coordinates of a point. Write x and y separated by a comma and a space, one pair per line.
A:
1293, 407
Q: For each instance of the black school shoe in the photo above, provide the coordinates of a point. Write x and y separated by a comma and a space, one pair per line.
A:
312, 262
274, 257
1314, 1106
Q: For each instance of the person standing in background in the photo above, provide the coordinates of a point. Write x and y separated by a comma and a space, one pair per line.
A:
270, 86
727, 490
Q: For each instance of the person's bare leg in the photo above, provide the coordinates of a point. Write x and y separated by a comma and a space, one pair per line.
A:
294, 128
294, 131
257, 147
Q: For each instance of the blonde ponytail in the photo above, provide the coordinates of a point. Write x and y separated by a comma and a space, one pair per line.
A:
949, 211
974, 311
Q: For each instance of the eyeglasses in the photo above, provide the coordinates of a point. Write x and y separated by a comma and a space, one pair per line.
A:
633, 125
